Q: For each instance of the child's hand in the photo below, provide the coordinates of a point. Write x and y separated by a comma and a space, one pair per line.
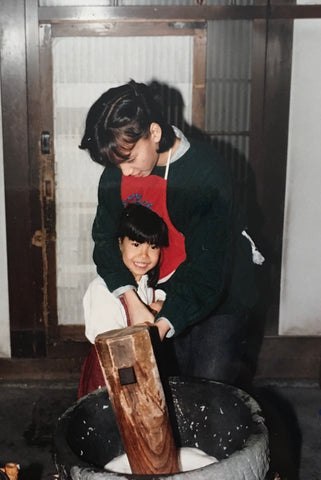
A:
137, 310
156, 306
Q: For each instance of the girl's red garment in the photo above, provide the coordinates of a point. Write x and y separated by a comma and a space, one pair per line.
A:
151, 192
91, 376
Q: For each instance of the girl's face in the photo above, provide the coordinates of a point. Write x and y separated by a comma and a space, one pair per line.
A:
143, 156
139, 258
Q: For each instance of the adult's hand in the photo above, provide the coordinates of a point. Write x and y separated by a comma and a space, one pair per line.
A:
163, 327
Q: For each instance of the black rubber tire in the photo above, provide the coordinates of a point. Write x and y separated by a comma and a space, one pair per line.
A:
221, 420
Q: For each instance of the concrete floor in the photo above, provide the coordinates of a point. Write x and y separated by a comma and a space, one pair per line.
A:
28, 412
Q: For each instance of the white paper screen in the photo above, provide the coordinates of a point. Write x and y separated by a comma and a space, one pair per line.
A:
85, 67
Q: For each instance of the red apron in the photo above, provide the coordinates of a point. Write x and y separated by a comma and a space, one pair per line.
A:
151, 192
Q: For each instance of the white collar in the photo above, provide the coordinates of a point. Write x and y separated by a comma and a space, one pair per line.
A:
182, 147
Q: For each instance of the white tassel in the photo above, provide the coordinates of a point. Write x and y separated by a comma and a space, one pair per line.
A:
257, 257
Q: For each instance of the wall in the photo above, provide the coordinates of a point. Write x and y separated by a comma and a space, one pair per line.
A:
4, 303
300, 305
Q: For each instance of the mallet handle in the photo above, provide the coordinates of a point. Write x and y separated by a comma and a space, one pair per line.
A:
136, 393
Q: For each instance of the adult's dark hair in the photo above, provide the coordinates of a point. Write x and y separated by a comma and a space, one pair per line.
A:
141, 225
118, 119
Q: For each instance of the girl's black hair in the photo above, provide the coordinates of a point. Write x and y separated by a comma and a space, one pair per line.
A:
121, 117
141, 224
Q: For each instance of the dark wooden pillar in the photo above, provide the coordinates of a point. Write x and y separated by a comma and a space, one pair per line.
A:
272, 60
23, 221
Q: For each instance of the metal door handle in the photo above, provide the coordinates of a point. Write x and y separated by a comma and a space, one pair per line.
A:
45, 143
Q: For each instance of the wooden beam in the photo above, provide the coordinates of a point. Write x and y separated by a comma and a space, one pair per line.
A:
20, 180
281, 357
178, 13
154, 13
125, 29
47, 184
33, 125
295, 11
272, 175
199, 80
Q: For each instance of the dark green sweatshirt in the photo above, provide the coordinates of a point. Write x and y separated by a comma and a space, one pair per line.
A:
218, 274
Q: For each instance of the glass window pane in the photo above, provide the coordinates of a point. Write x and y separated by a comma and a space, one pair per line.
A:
85, 67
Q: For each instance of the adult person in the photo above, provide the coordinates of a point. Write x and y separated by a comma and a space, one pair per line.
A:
207, 272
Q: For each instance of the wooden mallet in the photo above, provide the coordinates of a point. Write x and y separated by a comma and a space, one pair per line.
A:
137, 396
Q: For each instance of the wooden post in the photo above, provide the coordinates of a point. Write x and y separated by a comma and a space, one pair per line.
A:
136, 393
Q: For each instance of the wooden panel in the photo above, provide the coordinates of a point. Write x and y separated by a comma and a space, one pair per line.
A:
281, 358
47, 182
268, 154
255, 180
72, 332
273, 171
154, 13
33, 88
125, 29
290, 358
23, 369
261, 10
199, 80
23, 256
294, 11
257, 95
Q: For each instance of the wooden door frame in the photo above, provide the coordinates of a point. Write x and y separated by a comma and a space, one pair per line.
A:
270, 102
20, 120
48, 31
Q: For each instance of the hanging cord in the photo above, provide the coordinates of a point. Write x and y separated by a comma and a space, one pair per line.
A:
257, 257
167, 164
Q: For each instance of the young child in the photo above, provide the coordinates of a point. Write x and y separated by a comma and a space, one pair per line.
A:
141, 236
